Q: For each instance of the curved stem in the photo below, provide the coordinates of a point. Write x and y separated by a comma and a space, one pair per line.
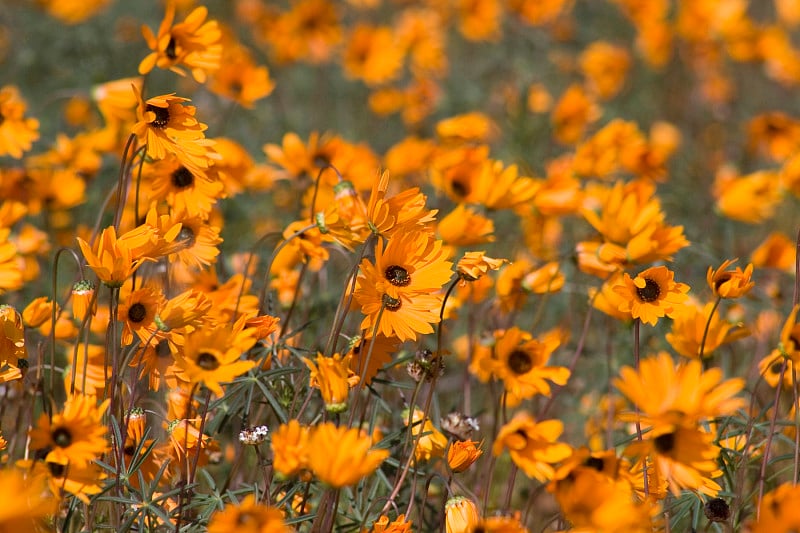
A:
265, 289
763, 472
636, 324
708, 326
123, 167
53, 305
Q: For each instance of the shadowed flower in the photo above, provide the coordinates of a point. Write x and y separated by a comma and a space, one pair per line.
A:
532, 445
432, 442
474, 265
76, 435
193, 44
651, 294
339, 456
779, 511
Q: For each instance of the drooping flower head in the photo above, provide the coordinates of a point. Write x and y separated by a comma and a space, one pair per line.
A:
730, 283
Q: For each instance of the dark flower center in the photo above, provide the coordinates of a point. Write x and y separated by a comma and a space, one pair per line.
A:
459, 189
397, 276
665, 443
137, 312
519, 361
207, 361
162, 116
129, 449
775, 368
650, 292
62, 437
717, 510
182, 178
722, 278
186, 236
245, 518
170, 50
57, 470
596, 463
391, 304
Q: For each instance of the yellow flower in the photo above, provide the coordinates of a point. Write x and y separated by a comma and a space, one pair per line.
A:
248, 516
84, 301
113, 258
475, 264
213, 355
651, 294
521, 362
76, 435
689, 329
779, 510
25, 501
17, 133
462, 454
334, 378
460, 515
463, 226
432, 442
341, 456
167, 126
730, 283
668, 395
532, 445
290, 448
193, 43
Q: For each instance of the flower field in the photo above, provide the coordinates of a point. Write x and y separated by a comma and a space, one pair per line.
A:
386, 266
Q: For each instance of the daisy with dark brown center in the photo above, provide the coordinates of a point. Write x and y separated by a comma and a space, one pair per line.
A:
213, 355
167, 126
521, 362
652, 294
75, 436
401, 286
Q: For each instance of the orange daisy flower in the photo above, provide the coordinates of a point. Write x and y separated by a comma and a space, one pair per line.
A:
186, 190
193, 43
167, 126
532, 445
400, 285
17, 133
372, 55
213, 355
651, 294
290, 448
730, 283
76, 435
113, 258
334, 378
248, 516
341, 456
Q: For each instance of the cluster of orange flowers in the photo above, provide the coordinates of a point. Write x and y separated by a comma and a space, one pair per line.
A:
408, 338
